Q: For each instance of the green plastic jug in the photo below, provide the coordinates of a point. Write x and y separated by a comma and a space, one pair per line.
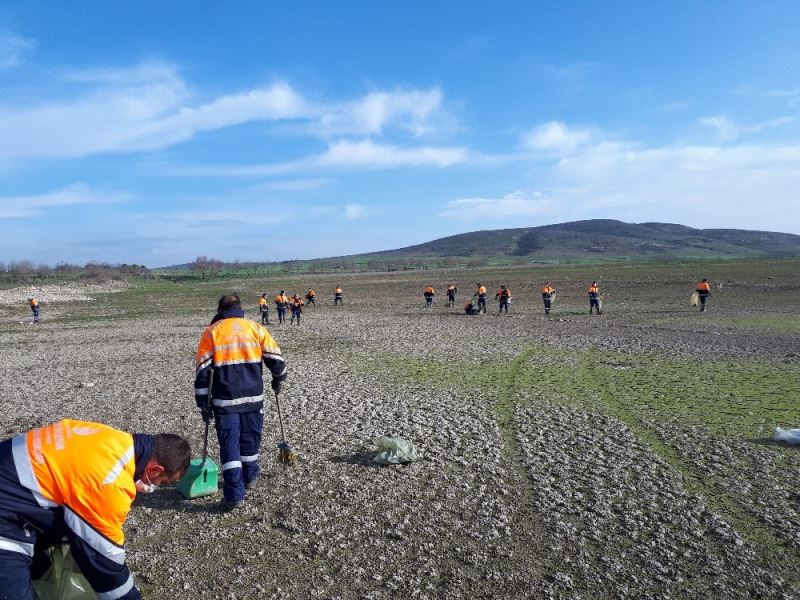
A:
200, 479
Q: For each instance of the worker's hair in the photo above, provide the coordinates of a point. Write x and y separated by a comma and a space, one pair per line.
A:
229, 301
172, 452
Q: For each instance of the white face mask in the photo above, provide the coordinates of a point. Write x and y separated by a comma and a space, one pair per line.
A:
146, 488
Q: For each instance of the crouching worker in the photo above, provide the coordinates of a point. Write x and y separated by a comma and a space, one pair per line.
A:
470, 309
77, 480
229, 370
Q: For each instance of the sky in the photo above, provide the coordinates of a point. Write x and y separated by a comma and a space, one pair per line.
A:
156, 132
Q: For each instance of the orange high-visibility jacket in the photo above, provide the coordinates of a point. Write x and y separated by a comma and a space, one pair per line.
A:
87, 470
34, 302
311, 294
482, 291
503, 293
547, 290
703, 286
593, 290
429, 290
262, 301
338, 291
281, 300
234, 348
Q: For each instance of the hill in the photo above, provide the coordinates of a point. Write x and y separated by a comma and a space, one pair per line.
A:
606, 239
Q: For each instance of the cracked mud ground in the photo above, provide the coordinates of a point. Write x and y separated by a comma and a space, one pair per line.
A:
626, 455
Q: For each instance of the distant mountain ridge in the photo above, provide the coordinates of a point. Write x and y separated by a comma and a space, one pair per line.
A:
607, 238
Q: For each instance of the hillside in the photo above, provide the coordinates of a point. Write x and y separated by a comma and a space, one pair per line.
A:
606, 239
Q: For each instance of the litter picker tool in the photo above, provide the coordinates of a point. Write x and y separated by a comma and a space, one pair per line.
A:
286, 454
202, 476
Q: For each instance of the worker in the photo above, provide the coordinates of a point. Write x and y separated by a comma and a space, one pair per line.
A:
296, 304
428, 293
77, 480
311, 296
703, 290
470, 309
337, 296
594, 297
281, 304
480, 294
35, 308
263, 307
451, 295
503, 296
548, 293
229, 387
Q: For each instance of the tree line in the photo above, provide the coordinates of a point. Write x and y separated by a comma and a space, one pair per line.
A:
26, 271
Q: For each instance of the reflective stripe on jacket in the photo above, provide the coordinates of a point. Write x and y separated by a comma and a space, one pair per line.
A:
77, 476
234, 348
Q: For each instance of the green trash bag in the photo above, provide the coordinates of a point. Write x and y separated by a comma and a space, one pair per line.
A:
395, 450
63, 580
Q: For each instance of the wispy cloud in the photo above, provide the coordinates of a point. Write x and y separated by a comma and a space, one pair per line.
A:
728, 130
343, 156
16, 207
515, 204
14, 49
411, 110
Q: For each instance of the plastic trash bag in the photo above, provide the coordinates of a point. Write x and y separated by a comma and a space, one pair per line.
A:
694, 299
395, 450
63, 580
790, 436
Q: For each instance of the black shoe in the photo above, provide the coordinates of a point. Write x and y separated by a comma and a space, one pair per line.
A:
230, 505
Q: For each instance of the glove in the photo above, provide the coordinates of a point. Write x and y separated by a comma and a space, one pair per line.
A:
276, 385
206, 413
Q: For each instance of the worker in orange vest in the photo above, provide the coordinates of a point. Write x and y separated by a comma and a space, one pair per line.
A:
594, 297
503, 296
311, 296
480, 293
703, 290
263, 308
77, 480
296, 304
548, 293
35, 308
428, 293
281, 303
451, 295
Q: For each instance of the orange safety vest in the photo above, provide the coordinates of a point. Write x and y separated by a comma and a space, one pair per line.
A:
262, 301
34, 302
548, 290
338, 291
506, 293
703, 286
481, 291
311, 294
429, 290
87, 468
281, 299
594, 289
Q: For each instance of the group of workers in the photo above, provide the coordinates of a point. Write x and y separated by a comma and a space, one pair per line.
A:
477, 304
293, 304
74, 481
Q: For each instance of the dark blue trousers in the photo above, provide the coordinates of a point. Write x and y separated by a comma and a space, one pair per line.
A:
239, 438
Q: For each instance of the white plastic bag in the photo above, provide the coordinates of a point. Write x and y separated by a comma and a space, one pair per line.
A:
694, 299
790, 436
395, 451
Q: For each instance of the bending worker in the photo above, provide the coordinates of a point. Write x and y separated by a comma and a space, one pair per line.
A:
77, 479
703, 290
594, 297
229, 373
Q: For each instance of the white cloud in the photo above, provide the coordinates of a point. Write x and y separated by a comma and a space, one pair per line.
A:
343, 155
14, 49
515, 204
16, 207
728, 130
354, 211
412, 110
556, 137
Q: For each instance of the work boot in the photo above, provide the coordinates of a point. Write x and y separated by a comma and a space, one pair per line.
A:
230, 505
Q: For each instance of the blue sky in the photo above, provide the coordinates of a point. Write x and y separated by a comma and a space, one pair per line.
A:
155, 132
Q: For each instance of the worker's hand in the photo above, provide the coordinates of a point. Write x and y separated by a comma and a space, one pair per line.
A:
276, 385
206, 413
